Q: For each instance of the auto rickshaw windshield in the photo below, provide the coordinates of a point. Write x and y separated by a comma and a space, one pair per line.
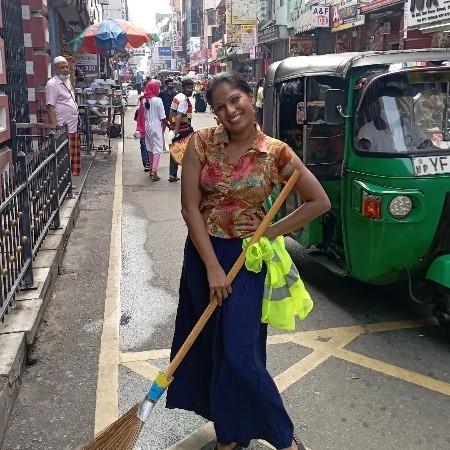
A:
404, 113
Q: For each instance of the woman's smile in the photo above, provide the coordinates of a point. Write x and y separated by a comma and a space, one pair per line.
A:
235, 118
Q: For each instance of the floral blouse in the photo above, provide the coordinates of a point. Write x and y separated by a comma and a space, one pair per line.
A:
229, 190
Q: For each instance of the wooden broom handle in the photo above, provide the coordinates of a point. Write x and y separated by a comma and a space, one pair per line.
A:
231, 276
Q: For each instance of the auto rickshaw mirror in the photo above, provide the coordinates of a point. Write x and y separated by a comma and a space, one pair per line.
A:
334, 107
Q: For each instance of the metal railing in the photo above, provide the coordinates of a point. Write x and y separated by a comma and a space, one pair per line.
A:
31, 193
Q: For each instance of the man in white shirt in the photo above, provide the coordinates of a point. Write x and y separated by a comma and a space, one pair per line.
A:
62, 109
388, 131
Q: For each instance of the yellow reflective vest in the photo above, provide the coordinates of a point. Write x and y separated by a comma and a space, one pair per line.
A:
285, 295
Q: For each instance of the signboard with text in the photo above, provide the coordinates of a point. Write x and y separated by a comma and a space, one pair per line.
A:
272, 33
164, 52
243, 11
302, 16
87, 63
345, 15
193, 45
420, 14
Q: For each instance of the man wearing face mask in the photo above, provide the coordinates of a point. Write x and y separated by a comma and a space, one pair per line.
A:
63, 109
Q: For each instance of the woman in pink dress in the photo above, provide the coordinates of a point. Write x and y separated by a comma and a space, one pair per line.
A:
151, 123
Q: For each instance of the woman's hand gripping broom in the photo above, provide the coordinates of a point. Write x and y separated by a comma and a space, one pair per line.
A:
124, 432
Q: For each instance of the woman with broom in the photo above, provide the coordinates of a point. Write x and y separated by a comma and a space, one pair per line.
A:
228, 172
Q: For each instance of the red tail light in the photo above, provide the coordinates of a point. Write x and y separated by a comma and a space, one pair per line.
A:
371, 206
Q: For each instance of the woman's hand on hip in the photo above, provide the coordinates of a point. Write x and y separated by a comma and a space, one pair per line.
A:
219, 285
247, 224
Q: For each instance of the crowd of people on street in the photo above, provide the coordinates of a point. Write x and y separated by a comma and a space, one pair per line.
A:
171, 110
178, 106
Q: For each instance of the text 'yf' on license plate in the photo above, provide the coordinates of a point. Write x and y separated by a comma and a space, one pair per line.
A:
431, 165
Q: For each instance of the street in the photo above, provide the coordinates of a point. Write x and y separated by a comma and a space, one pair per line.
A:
368, 369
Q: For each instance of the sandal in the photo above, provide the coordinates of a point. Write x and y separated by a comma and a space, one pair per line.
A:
154, 176
298, 442
173, 179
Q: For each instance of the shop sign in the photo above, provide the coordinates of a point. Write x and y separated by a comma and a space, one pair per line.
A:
302, 45
345, 15
248, 37
165, 52
421, 13
302, 16
233, 35
243, 11
273, 33
138, 51
177, 48
372, 5
87, 63
193, 45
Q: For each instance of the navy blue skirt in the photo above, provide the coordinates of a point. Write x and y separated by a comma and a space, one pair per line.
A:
224, 377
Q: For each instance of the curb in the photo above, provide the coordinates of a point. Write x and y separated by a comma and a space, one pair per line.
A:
22, 323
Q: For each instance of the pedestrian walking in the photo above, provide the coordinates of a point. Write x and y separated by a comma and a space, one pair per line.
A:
151, 123
259, 101
228, 172
63, 109
138, 82
142, 146
180, 119
167, 96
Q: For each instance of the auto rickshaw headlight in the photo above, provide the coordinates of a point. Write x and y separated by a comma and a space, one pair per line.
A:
400, 206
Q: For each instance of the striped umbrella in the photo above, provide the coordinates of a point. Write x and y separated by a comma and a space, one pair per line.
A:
110, 34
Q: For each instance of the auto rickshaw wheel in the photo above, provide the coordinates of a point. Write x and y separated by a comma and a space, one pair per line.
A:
442, 308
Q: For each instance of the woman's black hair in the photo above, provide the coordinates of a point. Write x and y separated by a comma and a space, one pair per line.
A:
234, 79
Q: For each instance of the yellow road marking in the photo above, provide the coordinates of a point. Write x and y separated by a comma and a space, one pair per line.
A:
394, 371
143, 368
367, 328
377, 365
322, 351
106, 409
309, 363
145, 356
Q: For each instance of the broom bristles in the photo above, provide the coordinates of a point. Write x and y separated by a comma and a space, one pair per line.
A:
120, 435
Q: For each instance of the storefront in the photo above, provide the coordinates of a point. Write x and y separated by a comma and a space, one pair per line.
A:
272, 46
346, 21
309, 28
383, 24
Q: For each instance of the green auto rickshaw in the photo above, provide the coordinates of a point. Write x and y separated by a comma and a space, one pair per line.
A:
374, 128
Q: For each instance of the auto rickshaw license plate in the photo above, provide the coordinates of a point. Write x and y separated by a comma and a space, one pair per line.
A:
431, 165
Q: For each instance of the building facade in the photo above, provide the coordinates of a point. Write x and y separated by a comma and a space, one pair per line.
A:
302, 27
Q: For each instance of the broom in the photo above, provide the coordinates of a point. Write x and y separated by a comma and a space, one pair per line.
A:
124, 432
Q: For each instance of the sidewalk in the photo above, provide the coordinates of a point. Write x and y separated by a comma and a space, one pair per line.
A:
60, 321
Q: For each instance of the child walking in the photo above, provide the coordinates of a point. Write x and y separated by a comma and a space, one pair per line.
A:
151, 124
